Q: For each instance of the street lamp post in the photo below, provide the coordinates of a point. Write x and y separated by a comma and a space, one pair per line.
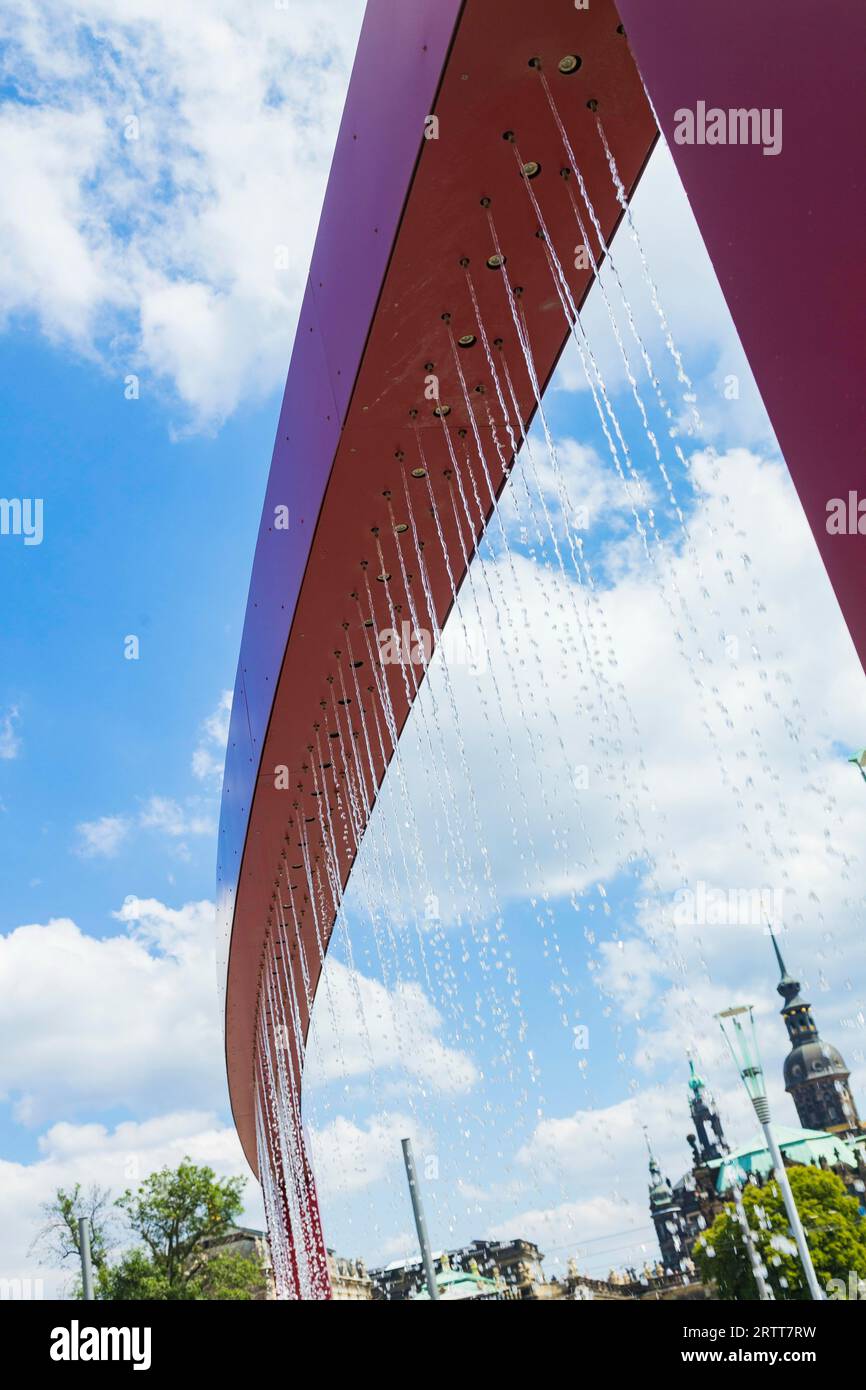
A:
86, 1262
738, 1028
420, 1223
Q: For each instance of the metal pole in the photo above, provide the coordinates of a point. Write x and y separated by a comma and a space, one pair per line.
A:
764, 1291
793, 1214
86, 1265
743, 1045
420, 1223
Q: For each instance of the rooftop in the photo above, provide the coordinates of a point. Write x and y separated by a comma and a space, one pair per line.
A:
801, 1145
459, 1283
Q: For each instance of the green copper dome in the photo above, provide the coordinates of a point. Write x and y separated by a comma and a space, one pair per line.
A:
800, 1145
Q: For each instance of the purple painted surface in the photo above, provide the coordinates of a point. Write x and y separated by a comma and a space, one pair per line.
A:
785, 232
401, 54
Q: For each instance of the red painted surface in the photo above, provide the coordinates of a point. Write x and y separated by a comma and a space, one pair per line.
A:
785, 232
487, 87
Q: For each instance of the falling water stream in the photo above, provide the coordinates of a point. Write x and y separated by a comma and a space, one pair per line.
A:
484, 865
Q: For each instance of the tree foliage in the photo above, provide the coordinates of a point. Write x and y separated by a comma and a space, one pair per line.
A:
59, 1239
223, 1276
173, 1215
835, 1233
174, 1210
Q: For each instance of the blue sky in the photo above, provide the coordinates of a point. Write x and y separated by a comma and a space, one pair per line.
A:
155, 257
143, 537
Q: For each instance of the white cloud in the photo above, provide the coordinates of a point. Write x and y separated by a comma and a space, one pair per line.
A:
102, 838
584, 1230
599, 1157
382, 1029
350, 1157
133, 1020
157, 253
209, 756
10, 743
592, 489
164, 814
127, 1021
54, 262
734, 725
595, 1146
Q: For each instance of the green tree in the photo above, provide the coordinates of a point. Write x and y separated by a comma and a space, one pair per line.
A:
835, 1233
59, 1239
222, 1276
172, 1213
135, 1278
231, 1278
173, 1216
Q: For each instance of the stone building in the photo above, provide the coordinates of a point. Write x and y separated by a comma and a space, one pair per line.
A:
349, 1278
485, 1269
252, 1245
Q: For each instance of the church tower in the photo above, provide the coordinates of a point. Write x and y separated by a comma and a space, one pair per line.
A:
708, 1140
666, 1214
816, 1076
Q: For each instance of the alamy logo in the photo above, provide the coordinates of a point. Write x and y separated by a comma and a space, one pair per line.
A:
737, 126
846, 517
15, 1289
728, 907
411, 646
855, 1288
22, 516
76, 1343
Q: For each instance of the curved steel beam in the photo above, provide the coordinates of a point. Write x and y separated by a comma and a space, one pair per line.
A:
401, 214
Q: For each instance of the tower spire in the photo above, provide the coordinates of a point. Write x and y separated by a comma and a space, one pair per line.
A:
788, 987
708, 1141
782, 971
816, 1076
654, 1169
665, 1211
